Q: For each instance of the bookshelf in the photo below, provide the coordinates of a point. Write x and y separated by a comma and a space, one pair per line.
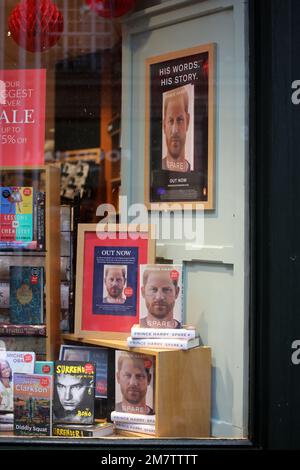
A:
42, 179
182, 387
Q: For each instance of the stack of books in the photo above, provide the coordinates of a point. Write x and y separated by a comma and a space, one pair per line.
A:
6, 422
134, 406
163, 338
134, 422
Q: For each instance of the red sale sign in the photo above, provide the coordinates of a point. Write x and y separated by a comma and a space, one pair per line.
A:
22, 117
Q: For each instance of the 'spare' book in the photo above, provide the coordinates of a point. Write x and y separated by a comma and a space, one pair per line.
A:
134, 383
163, 343
118, 416
179, 333
26, 295
32, 404
161, 296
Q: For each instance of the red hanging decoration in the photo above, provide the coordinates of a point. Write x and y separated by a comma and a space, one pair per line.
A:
111, 8
36, 25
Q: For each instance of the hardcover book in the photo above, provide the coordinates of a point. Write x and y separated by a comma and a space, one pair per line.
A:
161, 296
40, 220
134, 383
74, 392
132, 418
81, 430
163, 343
27, 294
22, 330
16, 214
4, 295
136, 427
179, 333
99, 356
12, 362
32, 404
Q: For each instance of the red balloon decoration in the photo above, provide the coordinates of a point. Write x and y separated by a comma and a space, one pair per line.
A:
111, 8
36, 25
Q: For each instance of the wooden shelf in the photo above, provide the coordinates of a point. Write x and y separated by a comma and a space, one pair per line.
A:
47, 178
182, 386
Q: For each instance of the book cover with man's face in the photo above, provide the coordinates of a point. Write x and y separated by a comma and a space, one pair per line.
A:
161, 299
134, 383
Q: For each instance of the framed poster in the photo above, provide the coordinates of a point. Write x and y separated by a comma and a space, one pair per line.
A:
179, 155
107, 278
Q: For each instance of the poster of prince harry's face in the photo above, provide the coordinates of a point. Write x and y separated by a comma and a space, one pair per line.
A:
179, 127
115, 280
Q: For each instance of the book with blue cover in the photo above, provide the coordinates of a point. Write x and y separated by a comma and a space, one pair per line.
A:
26, 295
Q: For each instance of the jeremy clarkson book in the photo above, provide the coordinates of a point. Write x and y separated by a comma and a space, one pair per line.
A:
32, 404
74, 392
27, 295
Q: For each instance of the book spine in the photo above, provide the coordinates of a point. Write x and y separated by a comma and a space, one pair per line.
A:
180, 333
136, 427
60, 431
9, 245
132, 418
40, 221
4, 294
22, 330
6, 426
163, 343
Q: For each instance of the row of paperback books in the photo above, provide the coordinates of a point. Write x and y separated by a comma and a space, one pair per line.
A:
46, 398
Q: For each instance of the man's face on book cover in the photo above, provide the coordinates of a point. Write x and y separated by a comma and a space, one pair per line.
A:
70, 391
133, 380
160, 294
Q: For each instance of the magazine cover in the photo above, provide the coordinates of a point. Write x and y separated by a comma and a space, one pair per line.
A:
10, 363
97, 355
134, 383
161, 299
26, 295
32, 404
16, 214
74, 392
